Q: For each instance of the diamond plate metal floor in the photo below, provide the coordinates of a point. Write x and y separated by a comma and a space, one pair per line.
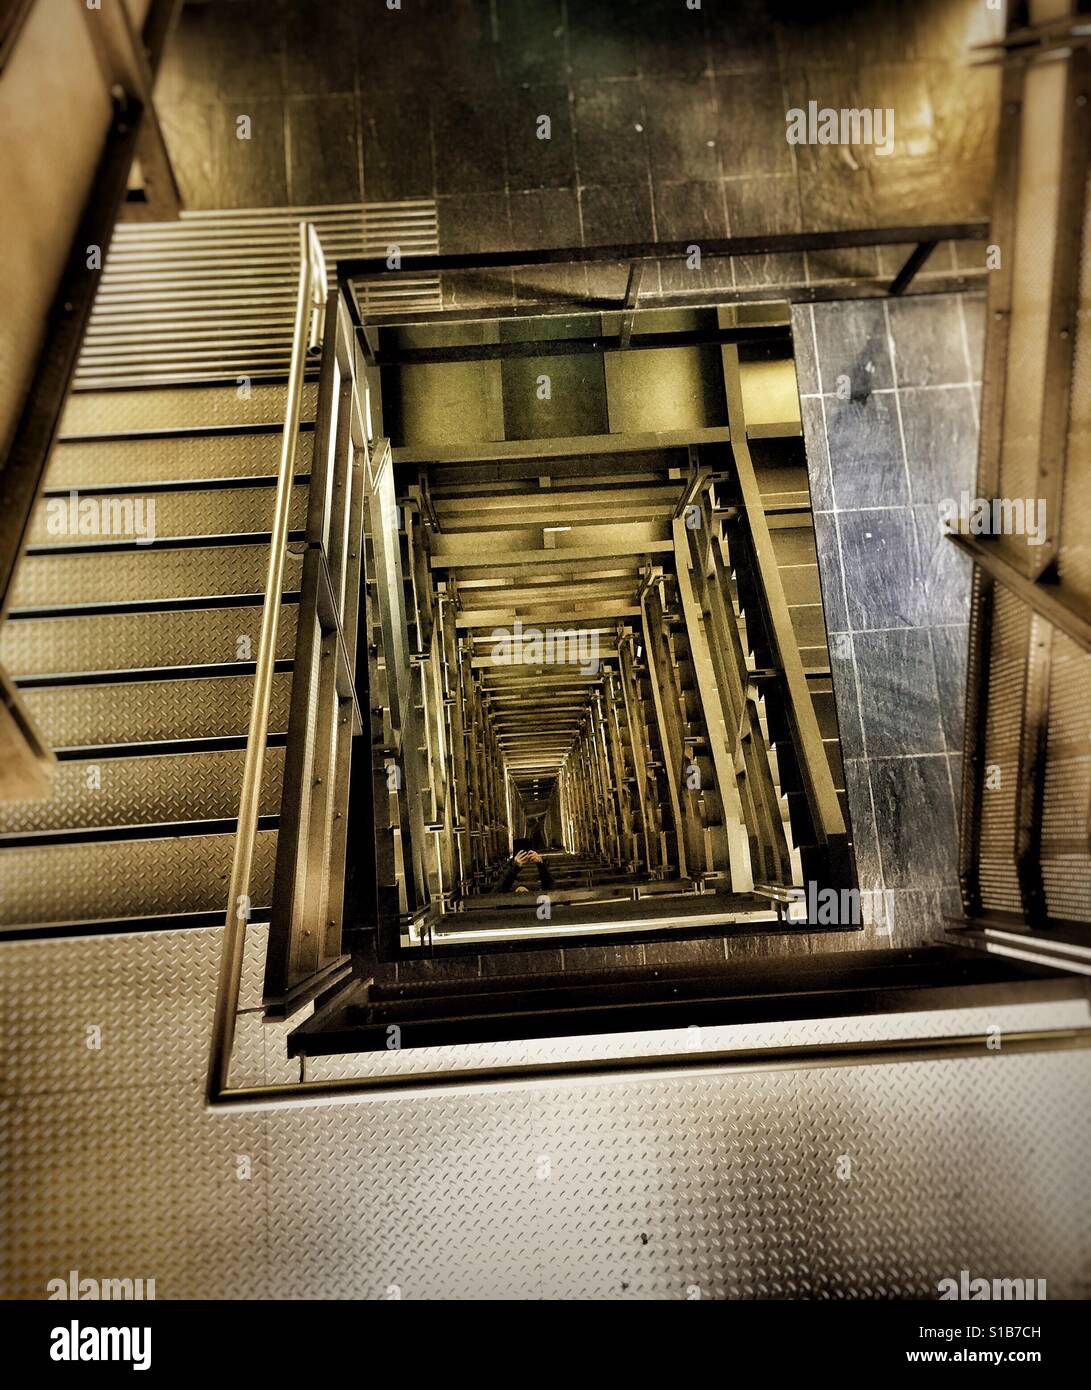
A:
94, 793
126, 878
210, 636
844, 1183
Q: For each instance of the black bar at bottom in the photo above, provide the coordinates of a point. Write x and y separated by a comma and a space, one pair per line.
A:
823, 1325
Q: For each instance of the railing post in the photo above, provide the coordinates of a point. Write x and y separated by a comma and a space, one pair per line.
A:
632, 295
907, 274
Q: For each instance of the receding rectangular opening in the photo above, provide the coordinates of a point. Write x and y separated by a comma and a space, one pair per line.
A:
601, 693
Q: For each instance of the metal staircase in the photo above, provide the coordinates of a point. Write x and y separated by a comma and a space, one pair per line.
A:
174, 490
183, 630
135, 655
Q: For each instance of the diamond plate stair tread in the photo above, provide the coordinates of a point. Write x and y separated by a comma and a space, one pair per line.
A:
178, 407
233, 511
91, 464
138, 330
155, 790
132, 878
92, 716
137, 641
66, 581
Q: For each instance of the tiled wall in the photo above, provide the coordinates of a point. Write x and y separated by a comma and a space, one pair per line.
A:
666, 122
890, 409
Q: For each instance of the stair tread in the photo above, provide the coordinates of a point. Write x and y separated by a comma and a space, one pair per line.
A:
560, 992
137, 517
157, 408
49, 581
82, 645
152, 789
170, 518
137, 462
100, 880
753, 991
149, 712
798, 969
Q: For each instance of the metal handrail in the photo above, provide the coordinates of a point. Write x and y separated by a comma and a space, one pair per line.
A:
674, 1065
310, 300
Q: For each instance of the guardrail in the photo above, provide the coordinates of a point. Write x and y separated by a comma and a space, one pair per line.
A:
305, 930
637, 257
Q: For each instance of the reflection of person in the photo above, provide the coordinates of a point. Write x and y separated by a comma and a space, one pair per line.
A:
521, 856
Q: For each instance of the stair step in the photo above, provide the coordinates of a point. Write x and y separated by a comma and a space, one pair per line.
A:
448, 988
90, 794
94, 519
553, 1005
96, 716
156, 409
32, 647
118, 879
149, 714
144, 575
800, 583
783, 479
794, 545
558, 992
118, 462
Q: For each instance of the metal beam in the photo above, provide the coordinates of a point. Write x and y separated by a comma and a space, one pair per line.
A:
514, 348
38, 424
781, 243
813, 763
716, 720
1031, 773
482, 559
404, 716
724, 1062
578, 446
1064, 307
1048, 599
